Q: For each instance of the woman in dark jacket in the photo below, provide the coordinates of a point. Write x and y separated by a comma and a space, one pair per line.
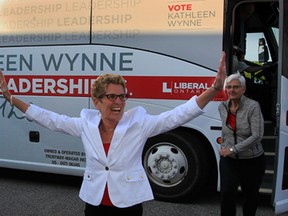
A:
242, 156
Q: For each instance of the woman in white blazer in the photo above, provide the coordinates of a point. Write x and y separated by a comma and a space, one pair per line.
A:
114, 181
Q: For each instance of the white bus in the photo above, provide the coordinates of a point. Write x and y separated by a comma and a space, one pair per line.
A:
167, 51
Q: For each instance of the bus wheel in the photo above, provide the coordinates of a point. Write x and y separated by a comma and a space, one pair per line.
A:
176, 164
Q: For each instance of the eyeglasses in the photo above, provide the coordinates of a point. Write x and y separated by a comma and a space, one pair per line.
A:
113, 97
236, 87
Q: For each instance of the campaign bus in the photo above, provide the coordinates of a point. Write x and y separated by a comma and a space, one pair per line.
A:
167, 51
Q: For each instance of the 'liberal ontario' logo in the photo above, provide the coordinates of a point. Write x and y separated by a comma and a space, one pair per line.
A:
184, 87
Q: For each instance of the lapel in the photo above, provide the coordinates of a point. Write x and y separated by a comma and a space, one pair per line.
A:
119, 133
93, 134
95, 140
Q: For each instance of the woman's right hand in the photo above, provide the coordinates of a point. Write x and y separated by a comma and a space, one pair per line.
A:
4, 88
21, 105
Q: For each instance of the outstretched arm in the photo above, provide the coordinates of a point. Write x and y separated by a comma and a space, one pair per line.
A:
22, 106
208, 95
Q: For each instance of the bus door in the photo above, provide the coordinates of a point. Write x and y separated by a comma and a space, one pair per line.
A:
280, 195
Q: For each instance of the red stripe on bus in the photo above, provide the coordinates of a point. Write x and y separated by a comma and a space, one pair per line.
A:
140, 87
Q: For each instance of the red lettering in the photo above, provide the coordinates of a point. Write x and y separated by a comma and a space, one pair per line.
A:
180, 7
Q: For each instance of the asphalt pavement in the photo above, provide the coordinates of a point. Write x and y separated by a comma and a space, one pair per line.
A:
38, 194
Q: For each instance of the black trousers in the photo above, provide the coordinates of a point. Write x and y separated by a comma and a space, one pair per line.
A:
248, 174
103, 210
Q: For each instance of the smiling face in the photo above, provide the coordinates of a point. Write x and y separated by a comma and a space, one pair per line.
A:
111, 110
234, 89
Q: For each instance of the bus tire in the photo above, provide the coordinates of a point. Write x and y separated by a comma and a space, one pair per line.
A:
177, 165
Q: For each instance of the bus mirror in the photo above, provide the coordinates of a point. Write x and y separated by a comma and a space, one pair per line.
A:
262, 51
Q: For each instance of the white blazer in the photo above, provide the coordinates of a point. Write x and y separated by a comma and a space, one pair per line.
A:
122, 168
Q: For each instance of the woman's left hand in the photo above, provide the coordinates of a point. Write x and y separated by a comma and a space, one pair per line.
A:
224, 152
221, 75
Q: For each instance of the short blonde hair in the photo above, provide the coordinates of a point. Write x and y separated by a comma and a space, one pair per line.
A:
98, 89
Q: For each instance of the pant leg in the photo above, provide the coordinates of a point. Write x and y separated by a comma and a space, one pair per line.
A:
251, 173
229, 186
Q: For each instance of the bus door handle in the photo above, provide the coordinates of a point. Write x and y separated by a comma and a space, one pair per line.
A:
34, 136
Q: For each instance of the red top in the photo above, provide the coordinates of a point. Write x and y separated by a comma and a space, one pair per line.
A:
231, 120
106, 199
